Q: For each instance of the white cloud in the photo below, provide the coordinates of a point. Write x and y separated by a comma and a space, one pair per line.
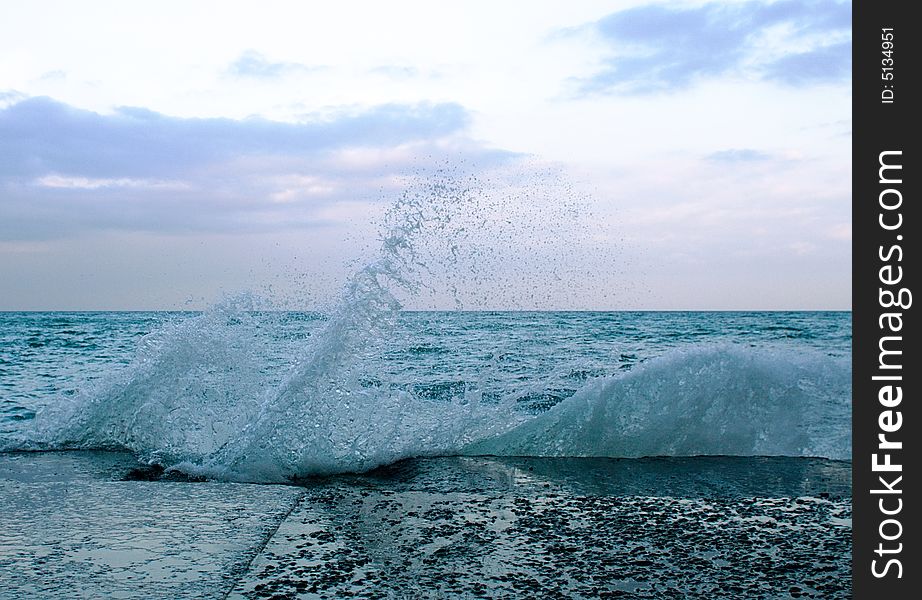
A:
87, 183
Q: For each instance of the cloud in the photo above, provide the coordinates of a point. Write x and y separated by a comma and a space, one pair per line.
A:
661, 48
255, 65
826, 64
40, 136
56, 75
738, 155
396, 71
64, 170
57, 181
8, 97
403, 72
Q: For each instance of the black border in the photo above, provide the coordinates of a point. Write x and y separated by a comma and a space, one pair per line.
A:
879, 127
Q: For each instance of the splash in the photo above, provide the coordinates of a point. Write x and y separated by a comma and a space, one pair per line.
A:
211, 396
198, 398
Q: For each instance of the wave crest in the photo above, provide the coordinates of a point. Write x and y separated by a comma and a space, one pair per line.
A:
714, 400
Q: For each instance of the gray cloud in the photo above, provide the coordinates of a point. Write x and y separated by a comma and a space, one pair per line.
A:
64, 170
40, 136
253, 64
826, 64
663, 48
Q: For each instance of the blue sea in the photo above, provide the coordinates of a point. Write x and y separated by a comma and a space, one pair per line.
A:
242, 394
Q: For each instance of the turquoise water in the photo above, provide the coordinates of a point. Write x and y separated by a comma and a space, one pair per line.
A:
181, 388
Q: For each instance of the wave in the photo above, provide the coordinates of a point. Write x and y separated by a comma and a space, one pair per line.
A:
708, 400
200, 397
721, 400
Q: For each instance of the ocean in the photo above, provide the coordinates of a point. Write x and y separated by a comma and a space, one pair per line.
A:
183, 388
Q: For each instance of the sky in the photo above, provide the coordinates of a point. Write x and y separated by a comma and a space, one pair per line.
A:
634, 155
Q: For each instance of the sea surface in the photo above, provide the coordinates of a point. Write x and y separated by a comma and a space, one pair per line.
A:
239, 394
